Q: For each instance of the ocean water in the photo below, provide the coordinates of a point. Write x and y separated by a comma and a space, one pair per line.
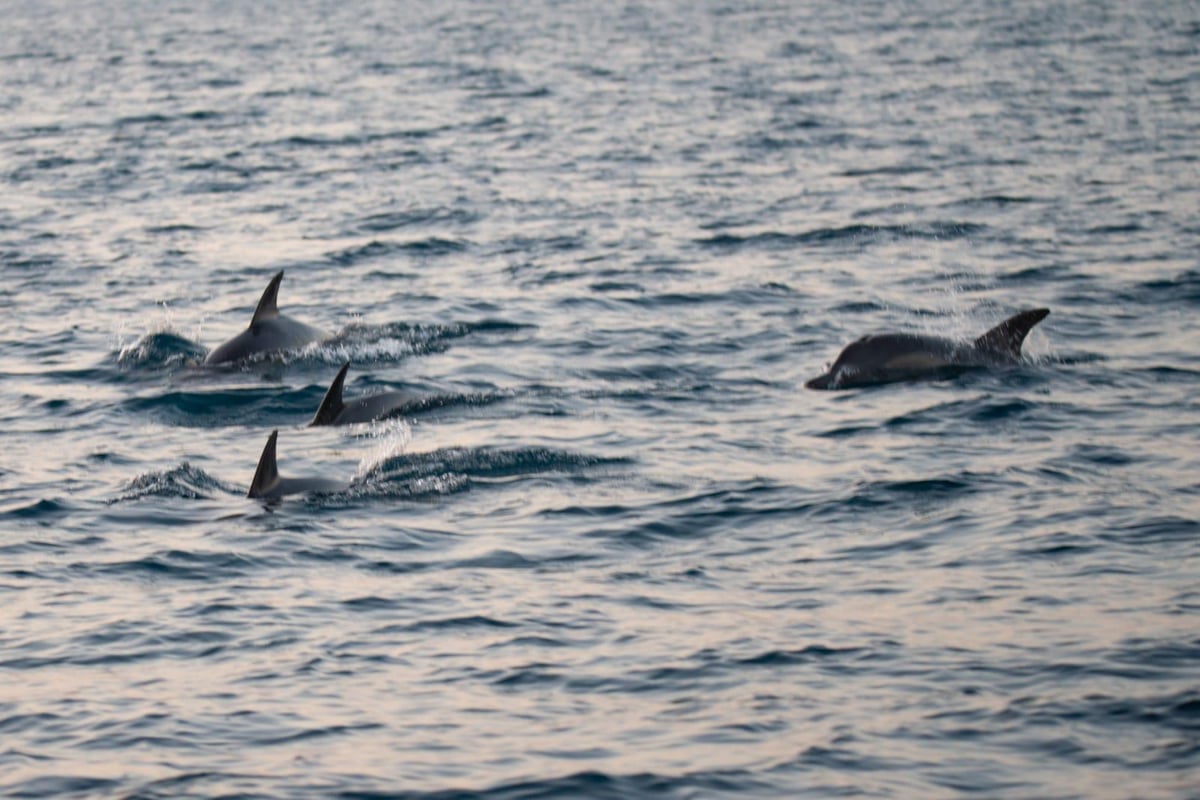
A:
613, 548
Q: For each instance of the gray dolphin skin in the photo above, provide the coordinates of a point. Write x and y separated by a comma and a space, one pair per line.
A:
891, 357
268, 484
269, 331
335, 411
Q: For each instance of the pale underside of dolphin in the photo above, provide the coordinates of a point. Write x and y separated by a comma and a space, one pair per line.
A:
891, 357
268, 484
336, 411
269, 331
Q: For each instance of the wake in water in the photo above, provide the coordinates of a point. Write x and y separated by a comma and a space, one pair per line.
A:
388, 471
184, 481
166, 349
160, 350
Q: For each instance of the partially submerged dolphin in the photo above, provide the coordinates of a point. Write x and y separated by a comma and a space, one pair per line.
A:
270, 485
889, 357
334, 411
269, 331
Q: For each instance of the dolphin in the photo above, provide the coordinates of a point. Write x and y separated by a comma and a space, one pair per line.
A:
270, 485
333, 411
890, 357
269, 331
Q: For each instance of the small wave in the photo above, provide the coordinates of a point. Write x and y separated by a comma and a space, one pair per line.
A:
713, 512
530, 246
1182, 288
464, 623
179, 565
39, 510
63, 786
1180, 711
184, 481
983, 410
194, 409
1156, 531
432, 246
350, 140
707, 665
888, 169
444, 472
994, 200
178, 227
594, 784
159, 350
363, 343
392, 220
856, 234
367, 343
431, 404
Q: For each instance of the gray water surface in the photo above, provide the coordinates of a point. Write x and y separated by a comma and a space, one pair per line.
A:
616, 549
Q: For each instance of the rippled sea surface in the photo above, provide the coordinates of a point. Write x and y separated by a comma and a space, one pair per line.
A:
613, 548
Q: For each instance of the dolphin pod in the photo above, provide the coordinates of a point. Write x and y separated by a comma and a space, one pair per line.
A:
268, 332
872, 359
892, 357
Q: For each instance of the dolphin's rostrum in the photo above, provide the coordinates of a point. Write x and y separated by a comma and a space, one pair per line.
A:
335, 411
890, 357
268, 332
268, 484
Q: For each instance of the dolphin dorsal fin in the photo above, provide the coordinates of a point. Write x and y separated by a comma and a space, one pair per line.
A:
267, 474
1005, 339
267, 304
332, 405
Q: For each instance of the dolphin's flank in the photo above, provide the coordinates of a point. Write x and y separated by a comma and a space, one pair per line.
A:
890, 357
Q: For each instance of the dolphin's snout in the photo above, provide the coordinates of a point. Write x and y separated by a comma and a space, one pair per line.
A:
820, 382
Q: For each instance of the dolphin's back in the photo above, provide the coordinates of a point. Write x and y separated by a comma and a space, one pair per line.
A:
268, 484
273, 336
268, 332
306, 486
376, 406
334, 410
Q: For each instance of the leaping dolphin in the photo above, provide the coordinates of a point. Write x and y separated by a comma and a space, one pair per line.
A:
270, 485
890, 357
269, 331
334, 411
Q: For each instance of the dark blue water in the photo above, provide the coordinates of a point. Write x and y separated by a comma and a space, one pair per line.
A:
614, 548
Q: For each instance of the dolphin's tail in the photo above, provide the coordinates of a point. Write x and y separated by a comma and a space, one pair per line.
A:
1005, 339
267, 474
332, 404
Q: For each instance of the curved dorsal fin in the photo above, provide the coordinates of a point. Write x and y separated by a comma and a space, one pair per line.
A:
267, 474
1005, 339
267, 308
332, 405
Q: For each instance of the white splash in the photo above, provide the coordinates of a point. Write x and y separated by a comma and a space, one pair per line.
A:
392, 438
